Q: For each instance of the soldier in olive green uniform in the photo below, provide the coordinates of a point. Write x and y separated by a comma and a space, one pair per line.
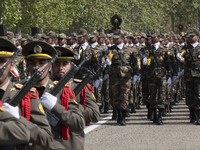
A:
30, 107
63, 104
85, 99
191, 58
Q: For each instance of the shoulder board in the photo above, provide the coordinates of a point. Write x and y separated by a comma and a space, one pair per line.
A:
67, 84
33, 89
18, 85
77, 80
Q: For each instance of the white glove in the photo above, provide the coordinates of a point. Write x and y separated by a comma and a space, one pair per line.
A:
14, 111
174, 78
169, 81
48, 100
97, 83
106, 76
135, 78
77, 57
179, 57
144, 61
108, 62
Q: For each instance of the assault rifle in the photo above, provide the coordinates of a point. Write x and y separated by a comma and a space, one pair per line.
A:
53, 120
29, 84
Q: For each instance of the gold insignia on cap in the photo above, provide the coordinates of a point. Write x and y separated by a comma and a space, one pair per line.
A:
37, 49
41, 108
59, 53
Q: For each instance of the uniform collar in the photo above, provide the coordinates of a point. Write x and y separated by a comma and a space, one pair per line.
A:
120, 46
194, 44
156, 45
74, 45
45, 84
84, 45
93, 45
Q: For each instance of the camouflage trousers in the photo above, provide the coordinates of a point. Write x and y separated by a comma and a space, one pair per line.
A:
145, 90
119, 92
157, 90
192, 92
105, 91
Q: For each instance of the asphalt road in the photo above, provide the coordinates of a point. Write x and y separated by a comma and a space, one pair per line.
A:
140, 134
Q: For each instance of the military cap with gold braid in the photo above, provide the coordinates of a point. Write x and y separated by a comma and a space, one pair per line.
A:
64, 53
38, 50
6, 48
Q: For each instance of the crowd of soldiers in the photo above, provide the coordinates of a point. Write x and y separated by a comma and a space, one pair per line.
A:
122, 70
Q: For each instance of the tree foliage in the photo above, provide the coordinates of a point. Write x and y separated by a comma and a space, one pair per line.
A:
70, 15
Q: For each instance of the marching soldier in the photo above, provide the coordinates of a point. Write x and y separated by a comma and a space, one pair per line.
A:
30, 108
63, 104
158, 63
86, 99
191, 58
123, 65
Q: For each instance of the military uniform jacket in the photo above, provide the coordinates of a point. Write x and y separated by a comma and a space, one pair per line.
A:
38, 125
13, 130
71, 118
124, 62
158, 62
192, 61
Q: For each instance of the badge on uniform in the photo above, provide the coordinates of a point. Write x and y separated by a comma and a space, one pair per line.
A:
93, 96
2, 109
41, 108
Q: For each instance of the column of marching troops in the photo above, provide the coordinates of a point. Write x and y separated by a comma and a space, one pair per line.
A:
156, 70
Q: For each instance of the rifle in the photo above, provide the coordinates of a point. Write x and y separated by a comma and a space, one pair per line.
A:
53, 120
29, 84
87, 79
8, 62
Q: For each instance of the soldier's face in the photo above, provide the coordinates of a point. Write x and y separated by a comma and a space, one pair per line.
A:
193, 39
3, 61
60, 68
39, 64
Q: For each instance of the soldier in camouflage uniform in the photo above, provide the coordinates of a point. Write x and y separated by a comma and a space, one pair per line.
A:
158, 63
124, 65
191, 58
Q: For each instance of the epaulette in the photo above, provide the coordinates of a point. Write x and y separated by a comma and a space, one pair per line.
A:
66, 85
77, 80
19, 86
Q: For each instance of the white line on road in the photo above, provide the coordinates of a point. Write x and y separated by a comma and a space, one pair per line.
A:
94, 126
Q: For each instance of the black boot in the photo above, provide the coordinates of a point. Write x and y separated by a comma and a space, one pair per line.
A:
192, 115
106, 107
165, 111
132, 107
123, 120
114, 115
148, 112
155, 115
119, 117
160, 122
198, 117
